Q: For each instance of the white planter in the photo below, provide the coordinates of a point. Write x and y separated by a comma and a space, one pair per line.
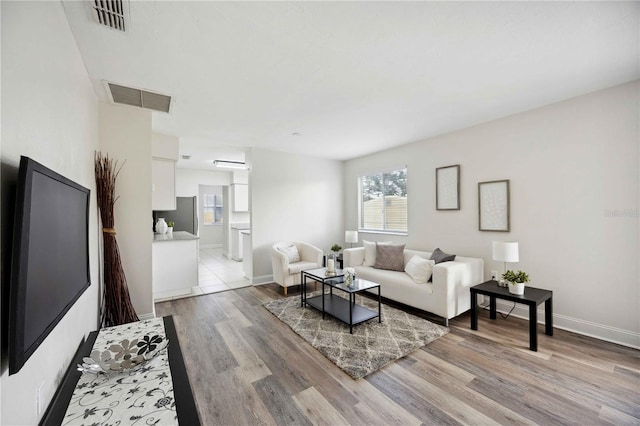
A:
516, 288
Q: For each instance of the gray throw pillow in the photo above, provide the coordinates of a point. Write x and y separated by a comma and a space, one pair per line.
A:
439, 256
390, 257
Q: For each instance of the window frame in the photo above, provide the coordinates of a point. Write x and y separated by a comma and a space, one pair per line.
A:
360, 202
213, 206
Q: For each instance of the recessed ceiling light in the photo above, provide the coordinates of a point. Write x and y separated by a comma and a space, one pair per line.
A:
295, 134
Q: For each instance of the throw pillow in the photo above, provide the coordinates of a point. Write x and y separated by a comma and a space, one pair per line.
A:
389, 257
370, 252
420, 269
439, 256
291, 252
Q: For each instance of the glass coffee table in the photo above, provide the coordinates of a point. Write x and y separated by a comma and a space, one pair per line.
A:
346, 310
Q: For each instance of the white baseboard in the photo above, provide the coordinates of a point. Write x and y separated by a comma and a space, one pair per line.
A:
575, 325
158, 295
264, 279
148, 316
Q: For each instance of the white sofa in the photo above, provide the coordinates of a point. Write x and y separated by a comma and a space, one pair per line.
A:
446, 296
287, 274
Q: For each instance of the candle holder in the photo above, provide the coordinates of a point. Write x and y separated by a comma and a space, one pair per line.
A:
331, 263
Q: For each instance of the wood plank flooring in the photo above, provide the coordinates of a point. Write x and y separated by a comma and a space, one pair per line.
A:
246, 367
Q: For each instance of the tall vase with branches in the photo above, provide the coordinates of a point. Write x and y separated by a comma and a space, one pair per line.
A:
116, 302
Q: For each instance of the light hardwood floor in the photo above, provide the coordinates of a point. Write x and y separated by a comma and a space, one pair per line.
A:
247, 367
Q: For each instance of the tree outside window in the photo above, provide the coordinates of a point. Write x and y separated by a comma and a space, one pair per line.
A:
383, 201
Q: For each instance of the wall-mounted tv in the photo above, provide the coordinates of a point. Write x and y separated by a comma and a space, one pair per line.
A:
50, 256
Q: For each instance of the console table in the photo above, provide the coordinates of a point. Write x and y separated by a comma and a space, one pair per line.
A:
532, 297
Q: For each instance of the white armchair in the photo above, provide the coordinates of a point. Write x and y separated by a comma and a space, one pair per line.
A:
286, 271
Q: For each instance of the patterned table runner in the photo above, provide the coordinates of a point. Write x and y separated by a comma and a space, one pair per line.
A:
142, 395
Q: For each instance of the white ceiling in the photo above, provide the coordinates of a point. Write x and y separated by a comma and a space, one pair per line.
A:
354, 78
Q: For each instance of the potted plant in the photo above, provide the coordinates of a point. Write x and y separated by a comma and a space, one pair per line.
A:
170, 225
336, 248
516, 281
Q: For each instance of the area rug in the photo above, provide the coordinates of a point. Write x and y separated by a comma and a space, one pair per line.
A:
371, 346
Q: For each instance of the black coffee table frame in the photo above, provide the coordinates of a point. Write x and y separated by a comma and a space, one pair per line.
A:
338, 307
532, 297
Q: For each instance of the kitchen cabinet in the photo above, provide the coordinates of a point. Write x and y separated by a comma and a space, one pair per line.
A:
247, 254
240, 195
163, 188
236, 240
175, 264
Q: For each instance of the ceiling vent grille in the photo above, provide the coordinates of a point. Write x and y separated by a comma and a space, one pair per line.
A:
110, 13
139, 98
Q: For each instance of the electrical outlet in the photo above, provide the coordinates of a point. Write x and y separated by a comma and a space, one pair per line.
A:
494, 275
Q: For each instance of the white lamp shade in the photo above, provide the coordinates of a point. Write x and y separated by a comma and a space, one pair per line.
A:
505, 251
351, 236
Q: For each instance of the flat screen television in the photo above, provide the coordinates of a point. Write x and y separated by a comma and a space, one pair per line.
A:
49, 259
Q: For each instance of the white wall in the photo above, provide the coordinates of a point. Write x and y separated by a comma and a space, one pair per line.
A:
210, 235
125, 134
293, 197
187, 180
165, 146
50, 113
573, 168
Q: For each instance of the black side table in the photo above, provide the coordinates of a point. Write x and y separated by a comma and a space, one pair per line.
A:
532, 297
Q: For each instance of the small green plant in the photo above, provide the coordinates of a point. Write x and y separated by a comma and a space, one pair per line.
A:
336, 248
171, 224
516, 277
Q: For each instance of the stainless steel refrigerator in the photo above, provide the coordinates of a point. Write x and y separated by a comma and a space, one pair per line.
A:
185, 215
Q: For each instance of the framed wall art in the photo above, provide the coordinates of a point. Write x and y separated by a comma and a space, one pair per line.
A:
493, 206
448, 188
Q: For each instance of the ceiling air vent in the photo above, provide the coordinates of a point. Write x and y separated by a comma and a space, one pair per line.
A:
140, 98
110, 13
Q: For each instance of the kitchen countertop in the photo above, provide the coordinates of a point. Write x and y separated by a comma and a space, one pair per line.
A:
240, 225
175, 236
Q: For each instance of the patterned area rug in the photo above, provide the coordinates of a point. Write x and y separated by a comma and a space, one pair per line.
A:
371, 346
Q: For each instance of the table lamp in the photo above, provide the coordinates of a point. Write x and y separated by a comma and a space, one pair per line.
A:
505, 251
351, 237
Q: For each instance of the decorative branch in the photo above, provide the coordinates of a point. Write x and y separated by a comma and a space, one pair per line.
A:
117, 308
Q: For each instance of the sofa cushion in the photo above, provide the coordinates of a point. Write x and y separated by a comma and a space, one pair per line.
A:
439, 256
291, 252
389, 257
297, 267
370, 251
420, 269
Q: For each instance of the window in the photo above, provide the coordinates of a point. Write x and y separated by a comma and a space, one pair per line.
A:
212, 207
383, 201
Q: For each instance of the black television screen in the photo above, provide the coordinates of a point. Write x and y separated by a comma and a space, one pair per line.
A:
50, 256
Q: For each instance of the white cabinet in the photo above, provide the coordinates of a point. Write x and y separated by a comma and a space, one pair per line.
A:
247, 255
236, 245
163, 190
240, 197
175, 264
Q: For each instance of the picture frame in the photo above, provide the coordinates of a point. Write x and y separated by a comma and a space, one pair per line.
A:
494, 206
448, 187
